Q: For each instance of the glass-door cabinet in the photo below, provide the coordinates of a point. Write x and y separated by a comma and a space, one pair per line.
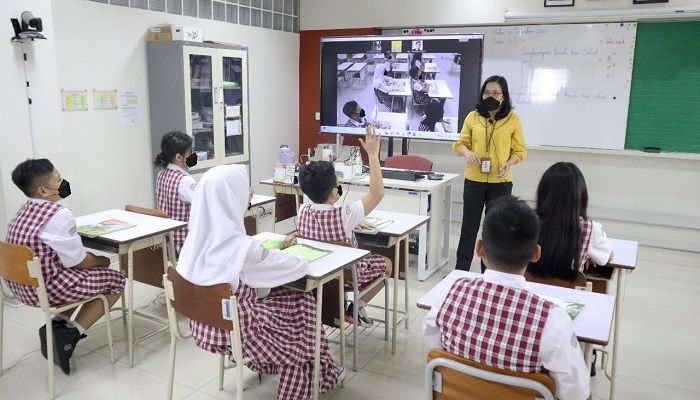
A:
207, 98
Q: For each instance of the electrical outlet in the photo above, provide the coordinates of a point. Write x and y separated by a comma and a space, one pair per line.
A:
318, 116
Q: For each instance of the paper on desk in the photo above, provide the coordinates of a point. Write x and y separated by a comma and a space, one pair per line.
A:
571, 308
376, 224
309, 253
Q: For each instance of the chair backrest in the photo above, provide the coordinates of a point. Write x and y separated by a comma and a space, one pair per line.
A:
200, 303
15, 261
465, 379
416, 163
579, 282
154, 212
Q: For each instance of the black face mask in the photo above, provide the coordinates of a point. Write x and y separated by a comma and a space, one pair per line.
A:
340, 190
64, 189
490, 104
362, 113
191, 160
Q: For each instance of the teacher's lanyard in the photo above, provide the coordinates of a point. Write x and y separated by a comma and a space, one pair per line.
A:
489, 138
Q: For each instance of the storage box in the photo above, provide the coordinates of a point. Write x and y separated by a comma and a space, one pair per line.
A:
167, 33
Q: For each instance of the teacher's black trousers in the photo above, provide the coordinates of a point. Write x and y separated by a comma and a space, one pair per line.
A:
476, 195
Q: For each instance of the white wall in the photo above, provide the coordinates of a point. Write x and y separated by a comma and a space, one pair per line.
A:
97, 46
334, 14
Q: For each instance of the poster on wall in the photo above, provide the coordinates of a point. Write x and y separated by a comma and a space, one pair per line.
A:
129, 109
104, 99
74, 100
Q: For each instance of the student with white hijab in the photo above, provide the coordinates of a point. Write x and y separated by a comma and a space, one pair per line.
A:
278, 333
382, 86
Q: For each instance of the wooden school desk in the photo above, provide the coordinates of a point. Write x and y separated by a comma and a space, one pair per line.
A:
402, 224
321, 271
591, 326
282, 191
438, 89
149, 231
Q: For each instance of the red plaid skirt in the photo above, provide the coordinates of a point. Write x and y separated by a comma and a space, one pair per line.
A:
73, 284
279, 335
368, 269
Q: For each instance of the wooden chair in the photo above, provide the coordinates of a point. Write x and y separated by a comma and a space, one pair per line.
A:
331, 306
448, 376
415, 163
580, 281
149, 265
18, 265
204, 304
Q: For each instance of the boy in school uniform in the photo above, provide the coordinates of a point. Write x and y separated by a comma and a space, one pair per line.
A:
323, 221
495, 320
70, 273
355, 114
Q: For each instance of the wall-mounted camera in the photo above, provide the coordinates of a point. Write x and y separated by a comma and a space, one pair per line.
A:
30, 27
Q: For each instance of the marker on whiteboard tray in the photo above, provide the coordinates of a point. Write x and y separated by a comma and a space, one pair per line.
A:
651, 149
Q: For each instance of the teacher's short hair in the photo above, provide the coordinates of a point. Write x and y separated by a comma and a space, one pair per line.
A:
510, 233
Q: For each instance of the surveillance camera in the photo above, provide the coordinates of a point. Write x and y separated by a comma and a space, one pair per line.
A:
30, 21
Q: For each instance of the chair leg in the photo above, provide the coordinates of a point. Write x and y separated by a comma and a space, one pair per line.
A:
239, 380
49, 354
2, 319
171, 373
221, 374
108, 319
386, 307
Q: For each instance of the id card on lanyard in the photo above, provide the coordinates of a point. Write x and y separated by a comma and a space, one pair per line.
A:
485, 161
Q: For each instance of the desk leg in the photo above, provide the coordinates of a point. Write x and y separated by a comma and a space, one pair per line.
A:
447, 223
423, 239
130, 300
170, 254
395, 307
317, 350
341, 322
618, 318
405, 281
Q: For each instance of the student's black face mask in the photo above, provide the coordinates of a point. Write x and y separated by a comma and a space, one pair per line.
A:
63, 189
191, 160
362, 113
340, 190
490, 104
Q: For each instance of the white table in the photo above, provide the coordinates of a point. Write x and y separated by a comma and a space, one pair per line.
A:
440, 91
401, 68
344, 66
400, 88
257, 210
591, 326
431, 68
412, 198
396, 120
321, 271
398, 231
428, 57
359, 68
358, 56
378, 56
448, 125
402, 57
149, 231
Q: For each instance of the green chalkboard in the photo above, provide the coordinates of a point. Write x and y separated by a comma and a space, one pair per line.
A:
664, 108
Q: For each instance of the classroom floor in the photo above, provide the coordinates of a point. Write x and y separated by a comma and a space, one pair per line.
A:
659, 357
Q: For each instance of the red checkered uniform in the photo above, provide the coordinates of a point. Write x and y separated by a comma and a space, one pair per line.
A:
168, 199
63, 285
586, 229
327, 226
493, 324
279, 334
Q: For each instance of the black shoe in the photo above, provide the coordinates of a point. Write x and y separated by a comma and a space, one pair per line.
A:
67, 338
595, 358
42, 338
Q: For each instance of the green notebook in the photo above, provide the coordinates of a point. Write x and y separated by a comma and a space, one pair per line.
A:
103, 228
307, 252
571, 308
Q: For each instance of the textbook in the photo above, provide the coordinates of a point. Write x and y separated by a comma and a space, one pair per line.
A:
103, 228
571, 308
307, 252
376, 225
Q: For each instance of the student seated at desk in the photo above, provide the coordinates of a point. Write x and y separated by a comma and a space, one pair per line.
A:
569, 239
325, 222
434, 112
278, 333
70, 273
355, 114
495, 320
418, 86
382, 86
174, 185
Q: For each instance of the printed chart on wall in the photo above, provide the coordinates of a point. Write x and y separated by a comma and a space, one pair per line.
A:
570, 84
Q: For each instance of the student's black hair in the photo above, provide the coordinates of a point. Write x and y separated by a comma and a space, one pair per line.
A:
317, 179
417, 56
172, 144
562, 198
510, 233
414, 72
31, 174
350, 108
506, 105
433, 113
387, 55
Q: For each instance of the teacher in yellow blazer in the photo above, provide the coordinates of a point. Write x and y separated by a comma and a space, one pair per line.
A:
492, 142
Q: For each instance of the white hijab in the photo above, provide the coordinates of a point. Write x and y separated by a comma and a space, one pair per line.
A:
217, 244
380, 81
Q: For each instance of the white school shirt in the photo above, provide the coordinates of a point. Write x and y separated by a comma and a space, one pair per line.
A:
559, 350
352, 214
187, 184
60, 233
599, 248
417, 85
265, 268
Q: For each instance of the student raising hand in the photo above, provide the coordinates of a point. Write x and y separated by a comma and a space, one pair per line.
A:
371, 144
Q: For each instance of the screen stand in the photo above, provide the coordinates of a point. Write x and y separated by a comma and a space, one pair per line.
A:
338, 143
390, 147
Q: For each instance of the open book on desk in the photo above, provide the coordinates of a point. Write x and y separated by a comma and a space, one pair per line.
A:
375, 223
103, 228
571, 308
306, 252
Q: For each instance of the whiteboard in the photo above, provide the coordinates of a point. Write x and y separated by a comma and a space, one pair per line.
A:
570, 84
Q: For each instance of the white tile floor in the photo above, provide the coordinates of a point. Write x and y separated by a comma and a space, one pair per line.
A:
659, 356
